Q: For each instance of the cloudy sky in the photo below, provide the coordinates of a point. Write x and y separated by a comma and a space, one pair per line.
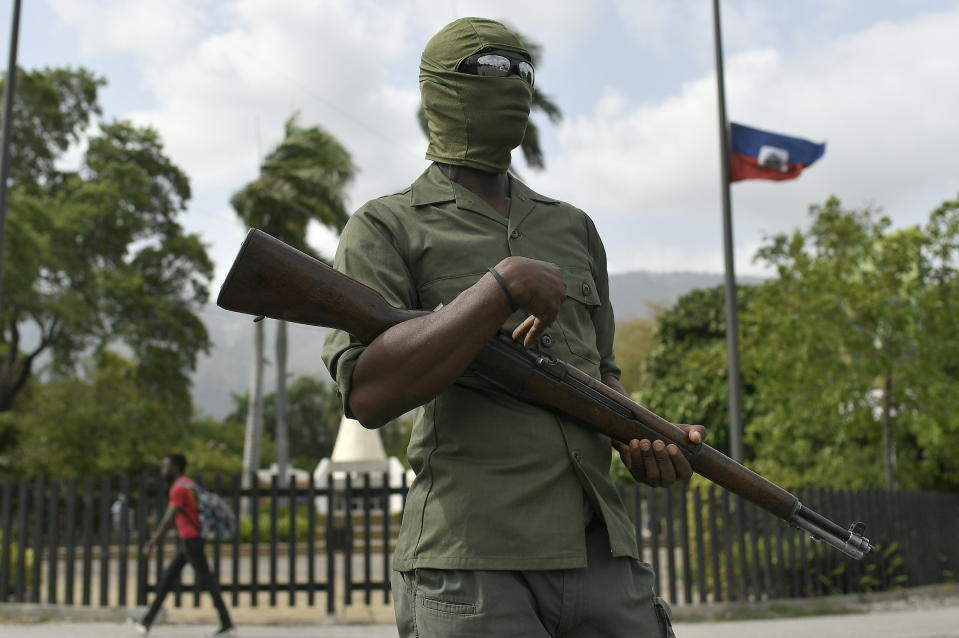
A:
875, 79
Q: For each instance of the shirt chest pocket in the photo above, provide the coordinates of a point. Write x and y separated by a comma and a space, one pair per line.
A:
576, 314
443, 290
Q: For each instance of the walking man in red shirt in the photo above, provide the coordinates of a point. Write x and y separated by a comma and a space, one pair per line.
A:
182, 509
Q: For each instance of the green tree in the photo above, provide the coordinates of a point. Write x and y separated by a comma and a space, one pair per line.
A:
531, 146
634, 341
95, 256
685, 375
102, 420
314, 417
315, 411
302, 180
856, 344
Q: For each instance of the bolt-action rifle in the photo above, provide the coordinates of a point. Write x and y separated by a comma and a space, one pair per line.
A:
272, 279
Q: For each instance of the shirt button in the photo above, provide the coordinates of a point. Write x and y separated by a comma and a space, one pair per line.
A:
546, 340
515, 234
585, 288
577, 456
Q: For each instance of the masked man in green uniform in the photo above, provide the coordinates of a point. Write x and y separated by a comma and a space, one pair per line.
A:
512, 526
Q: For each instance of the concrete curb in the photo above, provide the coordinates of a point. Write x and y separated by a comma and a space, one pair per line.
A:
43, 612
928, 596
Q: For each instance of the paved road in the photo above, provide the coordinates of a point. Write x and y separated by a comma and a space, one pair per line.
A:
920, 623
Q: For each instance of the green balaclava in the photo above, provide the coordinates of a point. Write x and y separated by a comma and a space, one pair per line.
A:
473, 120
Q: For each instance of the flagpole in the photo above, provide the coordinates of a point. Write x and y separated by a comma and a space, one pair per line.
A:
7, 128
732, 320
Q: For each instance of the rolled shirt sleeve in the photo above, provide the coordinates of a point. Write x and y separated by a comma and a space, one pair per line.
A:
368, 252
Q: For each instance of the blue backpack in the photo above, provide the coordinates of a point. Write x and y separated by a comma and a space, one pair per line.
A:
217, 520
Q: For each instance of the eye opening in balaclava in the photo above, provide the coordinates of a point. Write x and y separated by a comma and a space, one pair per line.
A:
473, 121
486, 63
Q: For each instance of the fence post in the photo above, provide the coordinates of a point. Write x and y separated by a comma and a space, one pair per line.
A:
670, 544
311, 540
274, 480
255, 537
87, 540
291, 554
53, 542
684, 535
21, 576
348, 543
386, 500
768, 549
728, 545
714, 544
235, 552
69, 577
651, 501
367, 549
38, 510
143, 566
105, 529
740, 512
6, 529
700, 544
328, 542
751, 513
217, 543
123, 540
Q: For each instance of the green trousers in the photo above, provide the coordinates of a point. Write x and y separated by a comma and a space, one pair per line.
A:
612, 597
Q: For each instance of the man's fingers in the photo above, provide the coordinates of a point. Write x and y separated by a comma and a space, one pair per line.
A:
538, 327
649, 462
624, 454
666, 472
523, 328
695, 434
681, 466
531, 328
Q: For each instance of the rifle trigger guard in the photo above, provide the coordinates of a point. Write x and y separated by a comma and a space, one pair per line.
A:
551, 366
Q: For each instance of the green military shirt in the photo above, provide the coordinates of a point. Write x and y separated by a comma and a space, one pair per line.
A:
500, 484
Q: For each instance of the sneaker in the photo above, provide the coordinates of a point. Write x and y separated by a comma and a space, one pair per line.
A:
225, 632
138, 626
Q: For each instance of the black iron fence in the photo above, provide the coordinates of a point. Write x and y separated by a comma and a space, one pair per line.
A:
77, 542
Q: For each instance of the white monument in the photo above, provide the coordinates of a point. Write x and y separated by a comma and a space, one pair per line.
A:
359, 451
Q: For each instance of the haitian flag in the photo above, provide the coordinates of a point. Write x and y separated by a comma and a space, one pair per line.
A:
756, 154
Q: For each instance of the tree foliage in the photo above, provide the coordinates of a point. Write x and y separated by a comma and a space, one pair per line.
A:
634, 341
102, 420
304, 179
856, 344
848, 354
685, 375
95, 256
313, 420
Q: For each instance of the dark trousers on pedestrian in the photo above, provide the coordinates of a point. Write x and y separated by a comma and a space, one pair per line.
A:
190, 551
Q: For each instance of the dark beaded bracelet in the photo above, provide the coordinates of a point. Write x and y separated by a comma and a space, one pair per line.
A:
502, 284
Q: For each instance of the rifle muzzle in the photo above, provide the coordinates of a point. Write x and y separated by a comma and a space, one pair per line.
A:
850, 541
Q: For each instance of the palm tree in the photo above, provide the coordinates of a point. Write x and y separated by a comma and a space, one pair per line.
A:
302, 180
532, 150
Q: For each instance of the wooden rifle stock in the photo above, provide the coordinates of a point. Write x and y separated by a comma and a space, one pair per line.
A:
271, 279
